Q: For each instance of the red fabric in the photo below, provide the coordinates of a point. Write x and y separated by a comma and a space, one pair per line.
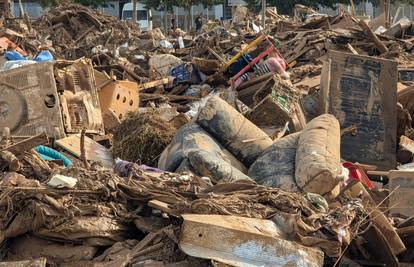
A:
357, 174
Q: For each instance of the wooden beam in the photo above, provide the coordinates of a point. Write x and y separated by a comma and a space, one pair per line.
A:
352, 49
153, 84
378, 43
214, 53
147, 97
26, 145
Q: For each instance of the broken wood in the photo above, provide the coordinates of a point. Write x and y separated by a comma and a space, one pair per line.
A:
248, 242
148, 97
214, 53
82, 150
162, 206
11, 160
153, 84
379, 44
27, 144
352, 49
84, 34
255, 81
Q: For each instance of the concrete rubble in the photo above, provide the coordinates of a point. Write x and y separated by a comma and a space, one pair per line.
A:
290, 145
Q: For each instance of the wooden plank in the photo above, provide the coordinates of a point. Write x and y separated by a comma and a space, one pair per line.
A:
380, 45
153, 84
147, 97
93, 150
162, 206
309, 82
248, 242
40, 262
214, 53
27, 144
297, 55
352, 49
255, 80
407, 144
361, 91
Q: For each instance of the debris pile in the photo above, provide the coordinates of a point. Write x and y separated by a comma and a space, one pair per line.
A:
105, 211
236, 145
142, 137
75, 29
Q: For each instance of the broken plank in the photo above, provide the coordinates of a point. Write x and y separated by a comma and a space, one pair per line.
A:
407, 144
147, 97
162, 206
309, 82
214, 53
248, 242
40, 262
84, 34
297, 55
153, 84
27, 144
254, 81
380, 45
352, 49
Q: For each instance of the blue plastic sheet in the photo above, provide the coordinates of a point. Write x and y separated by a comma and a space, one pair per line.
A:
44, 55
14, 55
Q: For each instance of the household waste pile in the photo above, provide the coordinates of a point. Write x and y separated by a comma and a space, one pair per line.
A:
290, 146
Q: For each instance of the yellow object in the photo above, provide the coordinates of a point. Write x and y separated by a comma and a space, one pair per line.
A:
292, 64
119, 96
244, 49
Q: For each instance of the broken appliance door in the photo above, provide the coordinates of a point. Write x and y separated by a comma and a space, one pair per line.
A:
78, 96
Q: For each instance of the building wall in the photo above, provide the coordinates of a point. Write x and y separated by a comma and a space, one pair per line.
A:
367, 9
212, 13
405, 11
34, 10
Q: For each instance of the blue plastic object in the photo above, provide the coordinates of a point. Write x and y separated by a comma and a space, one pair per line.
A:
44, 55
47, 153
239, 64
185, 73
13, 55
181, 73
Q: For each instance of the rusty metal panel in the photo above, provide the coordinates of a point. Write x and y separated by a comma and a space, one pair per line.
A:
362, 91
246, 242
